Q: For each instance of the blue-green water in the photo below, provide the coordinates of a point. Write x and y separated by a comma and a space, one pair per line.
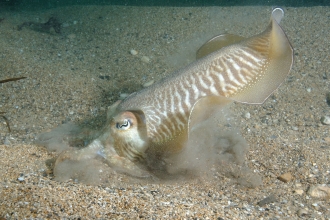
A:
35, 4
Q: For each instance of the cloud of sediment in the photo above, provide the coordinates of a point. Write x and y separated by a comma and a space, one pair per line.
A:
214, 146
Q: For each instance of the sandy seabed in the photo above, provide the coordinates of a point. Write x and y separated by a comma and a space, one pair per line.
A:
74, 75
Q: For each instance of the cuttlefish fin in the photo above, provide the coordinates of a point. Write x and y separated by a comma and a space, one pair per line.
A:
273, 46
216, 43
204, 107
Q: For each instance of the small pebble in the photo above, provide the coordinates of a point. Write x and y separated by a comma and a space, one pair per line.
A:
123, 96
21, 178
328, 98
286, 177
319, 191
302, 212
267, 200
247, 115
295, 128
325, 120
299, 191
133, 52
145, 59
147, 84
309, 89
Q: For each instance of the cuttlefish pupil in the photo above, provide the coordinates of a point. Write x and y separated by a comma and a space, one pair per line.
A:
125, 125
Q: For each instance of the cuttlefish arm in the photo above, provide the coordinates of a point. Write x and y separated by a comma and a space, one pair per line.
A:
155, 122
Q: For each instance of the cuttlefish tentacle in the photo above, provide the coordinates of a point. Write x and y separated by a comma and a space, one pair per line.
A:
155, 122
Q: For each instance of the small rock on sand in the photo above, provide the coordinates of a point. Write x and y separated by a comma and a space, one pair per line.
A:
286, 177
133, 52
145, 59
149, 83
319, 191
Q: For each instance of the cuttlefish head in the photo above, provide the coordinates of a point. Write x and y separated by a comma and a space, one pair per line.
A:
129, 134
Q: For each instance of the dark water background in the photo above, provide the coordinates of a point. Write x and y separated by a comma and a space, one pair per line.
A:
38, 4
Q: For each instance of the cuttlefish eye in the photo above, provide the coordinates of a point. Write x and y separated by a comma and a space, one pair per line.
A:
124, 125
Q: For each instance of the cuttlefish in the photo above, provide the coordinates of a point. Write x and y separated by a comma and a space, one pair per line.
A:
155, 123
